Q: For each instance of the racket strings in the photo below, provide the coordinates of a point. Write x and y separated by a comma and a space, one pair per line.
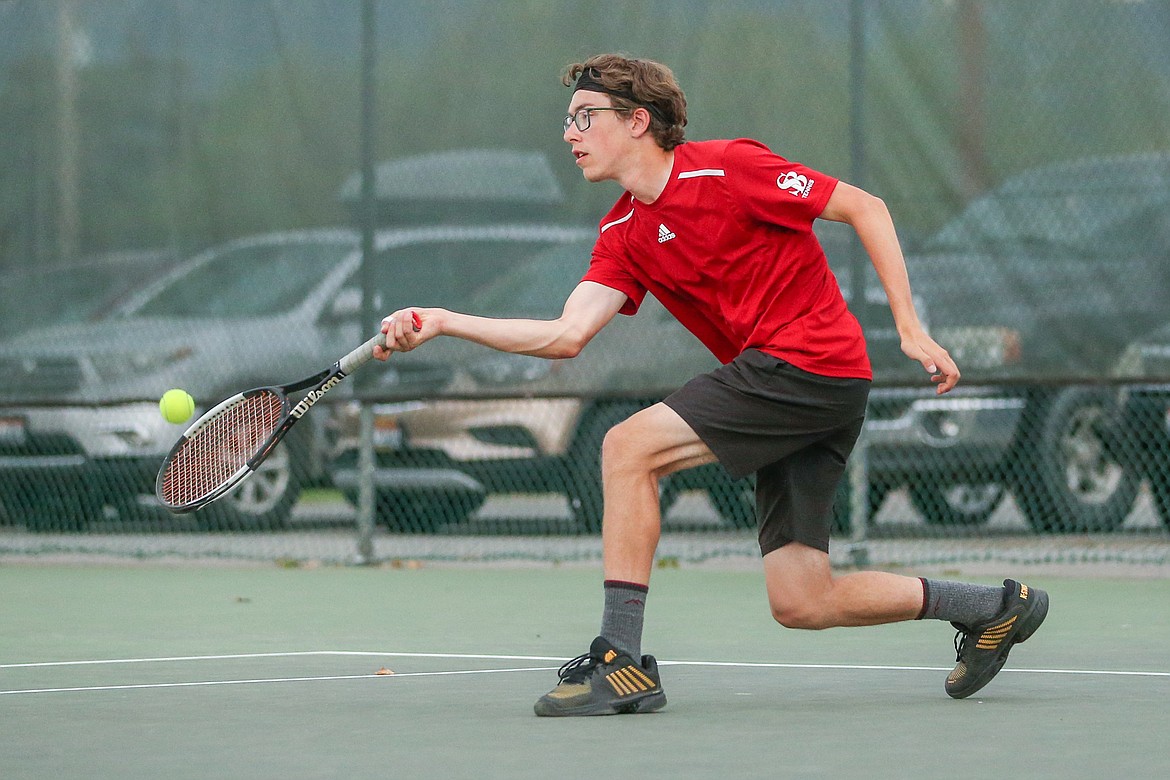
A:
215, 453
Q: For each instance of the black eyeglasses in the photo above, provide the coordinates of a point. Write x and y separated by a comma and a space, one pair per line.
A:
583, 116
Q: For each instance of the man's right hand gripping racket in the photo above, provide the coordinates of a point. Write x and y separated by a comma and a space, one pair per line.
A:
230, 441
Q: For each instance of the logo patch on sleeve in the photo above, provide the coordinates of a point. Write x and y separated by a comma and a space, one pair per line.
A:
794, 183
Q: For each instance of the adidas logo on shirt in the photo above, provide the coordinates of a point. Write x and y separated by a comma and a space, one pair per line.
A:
664, 234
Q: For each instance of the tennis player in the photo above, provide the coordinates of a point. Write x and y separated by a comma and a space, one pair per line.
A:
721, 233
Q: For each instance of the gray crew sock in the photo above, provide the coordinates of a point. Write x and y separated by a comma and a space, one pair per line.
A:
621, 620
960, 602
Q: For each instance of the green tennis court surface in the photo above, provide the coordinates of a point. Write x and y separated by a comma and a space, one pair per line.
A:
231, 671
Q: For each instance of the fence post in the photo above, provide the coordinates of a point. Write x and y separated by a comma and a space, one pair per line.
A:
366, 498
369, 48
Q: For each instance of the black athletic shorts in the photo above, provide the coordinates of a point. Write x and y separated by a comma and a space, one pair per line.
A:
792, 429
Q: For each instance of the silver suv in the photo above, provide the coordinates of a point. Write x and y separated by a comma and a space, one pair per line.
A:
80, 433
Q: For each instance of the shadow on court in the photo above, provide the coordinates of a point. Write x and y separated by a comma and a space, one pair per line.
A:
227, 671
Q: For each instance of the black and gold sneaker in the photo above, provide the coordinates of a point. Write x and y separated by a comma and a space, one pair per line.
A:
981, 651
604, 681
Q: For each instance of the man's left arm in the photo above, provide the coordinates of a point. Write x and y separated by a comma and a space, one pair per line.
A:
871, 219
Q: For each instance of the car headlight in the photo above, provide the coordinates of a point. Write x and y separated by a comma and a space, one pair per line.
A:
124, 365
506, 369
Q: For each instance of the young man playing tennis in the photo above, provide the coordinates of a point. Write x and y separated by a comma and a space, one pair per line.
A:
721, 233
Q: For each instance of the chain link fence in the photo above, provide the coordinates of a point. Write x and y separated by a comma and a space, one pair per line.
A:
180, 204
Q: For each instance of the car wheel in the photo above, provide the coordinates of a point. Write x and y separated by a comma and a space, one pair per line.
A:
958, 503
263, 501
1071, 478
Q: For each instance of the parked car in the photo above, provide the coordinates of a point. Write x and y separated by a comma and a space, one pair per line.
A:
80, 431
1072, 258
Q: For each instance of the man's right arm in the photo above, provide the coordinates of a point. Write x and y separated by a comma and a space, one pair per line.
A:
588, 309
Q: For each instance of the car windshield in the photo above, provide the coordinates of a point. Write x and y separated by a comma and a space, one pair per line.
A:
248, 281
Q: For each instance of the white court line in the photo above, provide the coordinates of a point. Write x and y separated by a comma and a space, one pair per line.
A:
469, 656
484, 657
875, 667
268, 680
295, 654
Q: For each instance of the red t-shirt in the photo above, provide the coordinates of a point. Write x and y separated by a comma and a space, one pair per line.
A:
729, 250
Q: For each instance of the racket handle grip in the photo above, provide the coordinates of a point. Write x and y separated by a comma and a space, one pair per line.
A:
363, 354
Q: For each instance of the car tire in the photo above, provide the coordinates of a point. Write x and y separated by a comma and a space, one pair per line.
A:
1072, 479
957, 503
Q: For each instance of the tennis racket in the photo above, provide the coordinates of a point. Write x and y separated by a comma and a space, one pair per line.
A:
230, 441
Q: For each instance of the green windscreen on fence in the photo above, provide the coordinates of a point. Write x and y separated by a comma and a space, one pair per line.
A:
181, 207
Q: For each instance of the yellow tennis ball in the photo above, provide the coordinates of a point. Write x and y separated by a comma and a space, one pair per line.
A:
176, 405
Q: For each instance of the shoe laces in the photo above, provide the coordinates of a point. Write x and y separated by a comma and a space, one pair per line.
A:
960, 643
577, 670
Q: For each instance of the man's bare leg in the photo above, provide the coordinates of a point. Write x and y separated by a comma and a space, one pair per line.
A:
635, 455
804, 593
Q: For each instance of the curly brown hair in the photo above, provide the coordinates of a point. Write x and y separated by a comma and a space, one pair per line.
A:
649, 84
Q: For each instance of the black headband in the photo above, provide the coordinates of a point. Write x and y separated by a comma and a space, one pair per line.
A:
588, 81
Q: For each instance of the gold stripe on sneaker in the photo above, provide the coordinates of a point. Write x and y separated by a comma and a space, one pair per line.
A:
618, 684
633, 683
644, 682
624, 682
642, 677
991, 637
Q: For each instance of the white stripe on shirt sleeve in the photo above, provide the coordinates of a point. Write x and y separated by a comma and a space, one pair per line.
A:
608, 225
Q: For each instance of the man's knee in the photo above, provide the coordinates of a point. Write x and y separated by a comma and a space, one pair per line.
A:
793, 614
800, 586
654, 441
622, 447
